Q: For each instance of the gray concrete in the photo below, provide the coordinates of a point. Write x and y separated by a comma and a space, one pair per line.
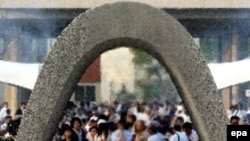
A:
123, 24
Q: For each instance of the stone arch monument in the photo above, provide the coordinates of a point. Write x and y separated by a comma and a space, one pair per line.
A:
111, 26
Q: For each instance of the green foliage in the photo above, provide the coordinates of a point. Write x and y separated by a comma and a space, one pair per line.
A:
124, 96
153, 86
140, 57
210, 47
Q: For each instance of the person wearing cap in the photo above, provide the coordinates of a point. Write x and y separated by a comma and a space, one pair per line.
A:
103, 130
92, 122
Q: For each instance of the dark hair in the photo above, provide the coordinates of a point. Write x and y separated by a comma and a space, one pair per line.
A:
93, 127
112, 126
234, 117
177, 127
187, 125
103, 127
180, 118
154, 126
132, 116
142, 122
74, 119
122, 122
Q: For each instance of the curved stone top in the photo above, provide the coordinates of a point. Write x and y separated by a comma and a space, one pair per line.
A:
123, 24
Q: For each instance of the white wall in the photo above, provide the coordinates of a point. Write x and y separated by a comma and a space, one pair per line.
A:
116, 67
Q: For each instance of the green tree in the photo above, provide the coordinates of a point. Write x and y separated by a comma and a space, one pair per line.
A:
152, 83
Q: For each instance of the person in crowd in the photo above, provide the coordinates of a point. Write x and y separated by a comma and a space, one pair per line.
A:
4, 126
154, 115
92, 122
179, 121
153, 130
21, 110
103, 132
113, 116
190, 132
235, 120
167, 110
140, 133
4, 111
238, 110
121, 134
141, 114
166, 126
178, 135
78, 132
81, 114
130, 120
63, 120
92, 135
68, 134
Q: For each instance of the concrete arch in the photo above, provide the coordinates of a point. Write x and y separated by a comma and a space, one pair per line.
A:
123, 24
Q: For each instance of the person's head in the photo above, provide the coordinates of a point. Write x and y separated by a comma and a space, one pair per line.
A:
94, 111
121, 124
23, 105
76, 123
63, 118
93, 121
179, 121
67, 133
234, 120
103, 127
130, 119
153, 127
79, 111
7, 119
140, 126
93, 131
5, 104
176, 128
187, 128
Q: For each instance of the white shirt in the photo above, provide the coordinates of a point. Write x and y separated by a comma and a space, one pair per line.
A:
3, 113
182, 137
118, 134
194, 136
156, 137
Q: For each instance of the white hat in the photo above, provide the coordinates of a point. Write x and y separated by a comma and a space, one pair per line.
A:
101, 121
94, 118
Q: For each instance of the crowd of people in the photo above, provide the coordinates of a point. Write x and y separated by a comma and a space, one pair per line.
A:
120, 122
125, 122
9, 125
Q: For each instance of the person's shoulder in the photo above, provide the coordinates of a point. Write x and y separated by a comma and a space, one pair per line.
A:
173, 137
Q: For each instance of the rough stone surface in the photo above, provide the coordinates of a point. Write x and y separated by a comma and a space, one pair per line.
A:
123, 24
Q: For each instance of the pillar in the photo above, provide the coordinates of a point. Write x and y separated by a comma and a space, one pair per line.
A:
11, 92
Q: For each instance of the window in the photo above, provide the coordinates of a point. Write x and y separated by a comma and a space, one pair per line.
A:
85, 93
41, 47
210, 47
